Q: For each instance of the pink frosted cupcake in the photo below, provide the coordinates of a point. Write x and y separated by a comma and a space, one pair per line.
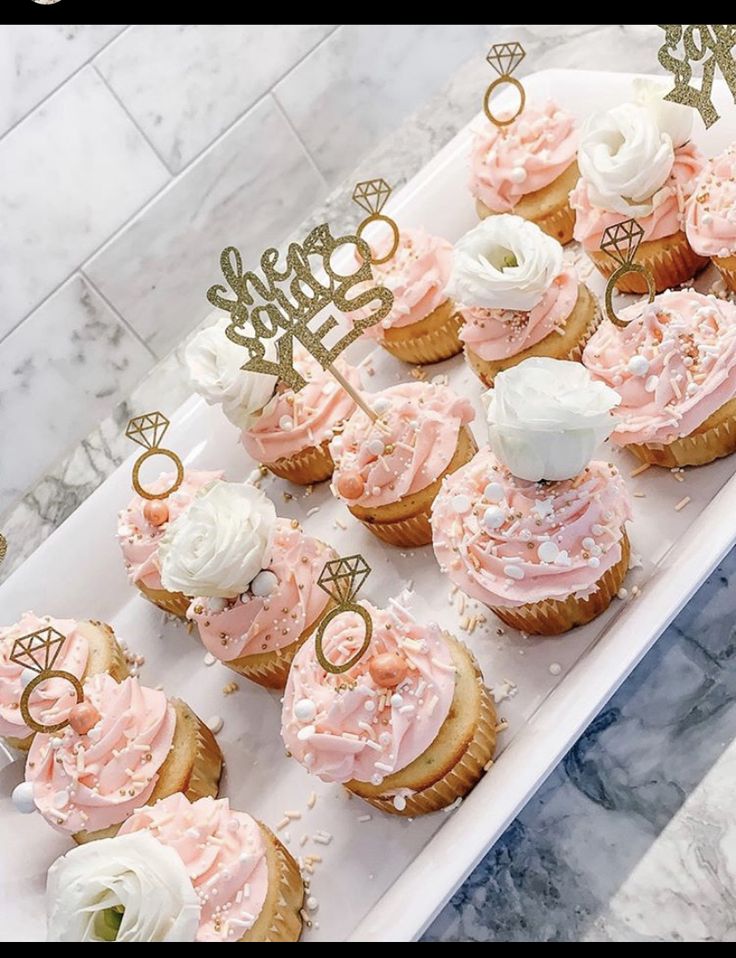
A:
126, 746
409, 727
389, 472
710, 221
89, 648
531, 527
252, 579
528, 168
674, 367
287, 432
516, 298
142, 525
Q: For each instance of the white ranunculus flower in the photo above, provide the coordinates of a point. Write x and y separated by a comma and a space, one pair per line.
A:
220, 543
546, 417
625, 159
129, 888
505, 262
214, 363
674, 119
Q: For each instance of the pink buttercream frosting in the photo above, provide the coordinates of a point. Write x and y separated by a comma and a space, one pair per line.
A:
224, 853
293, 422
358, 729
508, 162
87, 782
139, 539
667, 216
673, 365
419, 433
577, 524
50, 701
251, 625
710, 219
499, 333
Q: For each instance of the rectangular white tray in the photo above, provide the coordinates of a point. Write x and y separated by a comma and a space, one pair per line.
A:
383, 879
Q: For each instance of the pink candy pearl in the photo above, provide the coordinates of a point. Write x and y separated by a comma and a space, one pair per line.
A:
388, 669
83, 716
156, 512
350, 485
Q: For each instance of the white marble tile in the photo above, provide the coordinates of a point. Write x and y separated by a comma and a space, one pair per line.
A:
247, 191
72, 172
199, 79
35, 59
61, 371
363, 80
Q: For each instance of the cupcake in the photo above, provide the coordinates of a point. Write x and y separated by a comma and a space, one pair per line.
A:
531, 527
141, 526
637, 162
528, 168
125, 746
710, 218
674, 367
409, 727
288, 432
516, 297
251, 576
388, 472
88, 648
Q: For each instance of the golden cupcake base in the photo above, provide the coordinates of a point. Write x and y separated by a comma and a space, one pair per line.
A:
713, 439
173, 603
431, 340
311, 465
280, 918
670, 260
726, 266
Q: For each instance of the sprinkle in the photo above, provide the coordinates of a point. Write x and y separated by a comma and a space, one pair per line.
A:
230, 688
303, 840
501, 726
311, 800
312, 512
639, 470
513, 572
399, 803
640, 495
283, 823
365, 818
321, 838
555, 668
214, 724
340, 524
460, 504
383, 767
622, 593
682, 503
488, 765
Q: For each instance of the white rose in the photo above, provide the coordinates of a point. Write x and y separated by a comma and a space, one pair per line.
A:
214, 363
625, 159
674, 119
220, 543
546, 417
129, 888
505, 262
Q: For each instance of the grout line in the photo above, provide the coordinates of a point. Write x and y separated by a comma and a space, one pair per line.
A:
289, 122
63, 82
116, 312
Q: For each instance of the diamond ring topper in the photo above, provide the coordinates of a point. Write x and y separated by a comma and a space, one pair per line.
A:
342, 579
709, 43
38, 651
372, 196
621, 241
148, 431
504, 58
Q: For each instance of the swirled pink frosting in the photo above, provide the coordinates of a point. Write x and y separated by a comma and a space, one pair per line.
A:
710, 219
667, 216
508, 162
419, 433
360, 730
293, 422
139, 539
50, 701
224, 854
87, 782
673, 365
499, 333
250, 625
499, 563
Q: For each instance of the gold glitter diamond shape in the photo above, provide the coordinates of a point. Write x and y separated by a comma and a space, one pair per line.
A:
342, 578
38, 650
319, 242
3, 547
622, 241
371, 195
148, 430
505, 57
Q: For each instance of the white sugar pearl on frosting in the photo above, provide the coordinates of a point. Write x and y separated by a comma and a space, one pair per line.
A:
493, 517
264, 583
286, 423
216, 604
460, 504
305, 710
381, 405
397, 700
513, 572
548, 551
304, 734
588, 543
594, 562
517, 174
563, 559
493, 492
399, 803
22, 798
376, 447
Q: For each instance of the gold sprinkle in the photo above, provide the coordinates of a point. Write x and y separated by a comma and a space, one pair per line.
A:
682, 503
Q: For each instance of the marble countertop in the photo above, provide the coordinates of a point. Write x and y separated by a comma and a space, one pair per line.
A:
632, 837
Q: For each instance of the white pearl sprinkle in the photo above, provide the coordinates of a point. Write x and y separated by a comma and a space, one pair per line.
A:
548, 551
555, 668
286, 423
215, 723
513, 572
638, 365
594, 562
305, 710
22, 798
264, 583
305, 733
399, 803
460, 504
588, 543
563, 559
493, 492
493, 517
517, 174
61, 799
397, 700
381, 405
376, 779
376, 447
216, 604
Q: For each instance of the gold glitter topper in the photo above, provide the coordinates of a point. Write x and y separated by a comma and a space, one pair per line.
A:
621, 242
504, 58
3, 547
38, 651
148, 431
372, 196
711, 43
342, 579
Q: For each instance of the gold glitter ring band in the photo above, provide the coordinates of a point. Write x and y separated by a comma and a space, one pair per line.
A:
155, 451
487, 99
333, 613
611, 285
376, 218
42, 677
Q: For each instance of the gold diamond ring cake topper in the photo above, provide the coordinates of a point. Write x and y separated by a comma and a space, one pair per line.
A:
621, 241
148, 431
38, 651
372, 196
711, 44
342, 579
504, 58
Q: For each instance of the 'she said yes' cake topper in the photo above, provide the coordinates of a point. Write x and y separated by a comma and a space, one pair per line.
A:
712, 45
